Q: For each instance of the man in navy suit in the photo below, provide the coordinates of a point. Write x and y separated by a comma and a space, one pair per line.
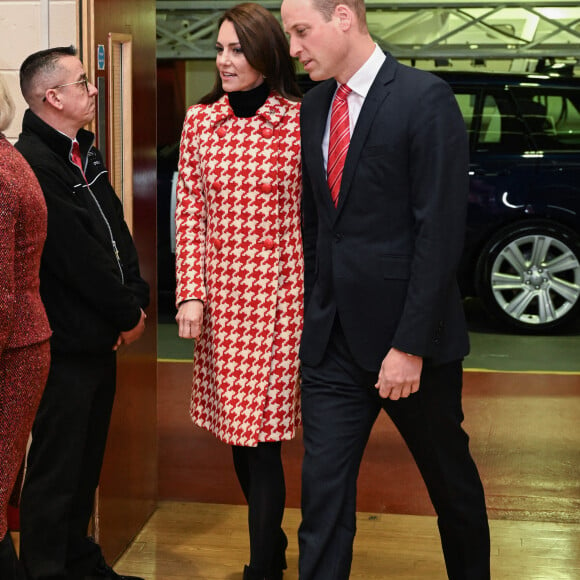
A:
384, 326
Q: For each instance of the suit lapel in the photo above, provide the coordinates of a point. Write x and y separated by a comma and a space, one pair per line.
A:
377, 94
313, 134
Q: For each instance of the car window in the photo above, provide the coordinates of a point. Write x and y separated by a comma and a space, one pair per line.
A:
552, 117
491, 120
466, 102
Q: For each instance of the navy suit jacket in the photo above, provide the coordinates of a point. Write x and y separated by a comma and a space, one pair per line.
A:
385, 259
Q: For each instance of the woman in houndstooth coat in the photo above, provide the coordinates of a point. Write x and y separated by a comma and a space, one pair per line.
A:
240, 265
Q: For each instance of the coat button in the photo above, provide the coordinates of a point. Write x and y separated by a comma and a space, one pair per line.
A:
221, 132
266, 188
217, 243
217, 186
269, 243
267, 132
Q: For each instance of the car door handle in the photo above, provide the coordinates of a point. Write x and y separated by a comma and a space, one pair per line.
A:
480, 172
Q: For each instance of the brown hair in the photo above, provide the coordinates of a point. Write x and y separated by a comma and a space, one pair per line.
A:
265, 47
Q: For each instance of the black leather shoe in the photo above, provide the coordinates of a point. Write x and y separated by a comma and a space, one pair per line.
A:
279, 561
103, 571
253, 574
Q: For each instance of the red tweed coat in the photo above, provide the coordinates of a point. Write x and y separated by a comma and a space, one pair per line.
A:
239, 250
23, 320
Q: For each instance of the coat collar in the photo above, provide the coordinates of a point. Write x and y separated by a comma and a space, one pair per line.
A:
272, 111
320, 100
55, 140
377, 94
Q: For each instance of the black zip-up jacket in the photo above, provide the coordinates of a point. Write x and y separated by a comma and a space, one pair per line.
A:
89, 275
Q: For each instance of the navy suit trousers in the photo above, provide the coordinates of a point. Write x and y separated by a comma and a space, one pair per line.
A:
339, 407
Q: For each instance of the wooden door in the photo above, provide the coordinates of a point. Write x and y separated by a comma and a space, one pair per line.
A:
118, 44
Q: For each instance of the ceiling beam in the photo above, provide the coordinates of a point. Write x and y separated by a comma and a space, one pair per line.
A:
187, 29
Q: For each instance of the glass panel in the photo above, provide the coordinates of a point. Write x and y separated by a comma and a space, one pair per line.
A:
551, 116
501, 129
121, 120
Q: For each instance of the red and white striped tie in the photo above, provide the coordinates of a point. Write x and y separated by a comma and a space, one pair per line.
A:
339, 140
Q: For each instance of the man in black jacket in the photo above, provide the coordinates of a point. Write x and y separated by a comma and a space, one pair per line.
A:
94, 297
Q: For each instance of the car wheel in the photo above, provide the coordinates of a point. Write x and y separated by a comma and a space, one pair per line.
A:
528, 276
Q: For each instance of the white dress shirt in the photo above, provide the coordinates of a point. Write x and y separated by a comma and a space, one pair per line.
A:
360, 84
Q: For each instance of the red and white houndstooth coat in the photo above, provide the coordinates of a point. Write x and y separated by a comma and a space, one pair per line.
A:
239, 250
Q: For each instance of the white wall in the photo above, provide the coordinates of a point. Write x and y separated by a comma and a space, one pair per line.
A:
25, 27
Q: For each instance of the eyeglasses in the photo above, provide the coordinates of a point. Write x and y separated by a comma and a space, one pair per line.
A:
84, 80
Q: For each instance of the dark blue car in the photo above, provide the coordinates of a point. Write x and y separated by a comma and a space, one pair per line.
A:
522, 248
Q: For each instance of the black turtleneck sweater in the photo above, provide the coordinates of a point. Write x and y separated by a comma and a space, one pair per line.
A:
246, 103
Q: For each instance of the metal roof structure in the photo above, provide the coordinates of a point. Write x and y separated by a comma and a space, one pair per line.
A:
477, 30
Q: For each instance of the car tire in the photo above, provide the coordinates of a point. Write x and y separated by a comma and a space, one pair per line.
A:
528, 276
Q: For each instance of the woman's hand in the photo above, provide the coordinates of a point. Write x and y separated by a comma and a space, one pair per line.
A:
189, 318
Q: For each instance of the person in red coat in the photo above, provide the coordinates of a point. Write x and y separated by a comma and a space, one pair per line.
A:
24, 328
240, 264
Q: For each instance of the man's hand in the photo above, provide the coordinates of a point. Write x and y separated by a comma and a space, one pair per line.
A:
132, 335
189, 318
399, 375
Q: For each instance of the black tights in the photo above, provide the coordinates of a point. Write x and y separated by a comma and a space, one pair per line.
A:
261, 476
